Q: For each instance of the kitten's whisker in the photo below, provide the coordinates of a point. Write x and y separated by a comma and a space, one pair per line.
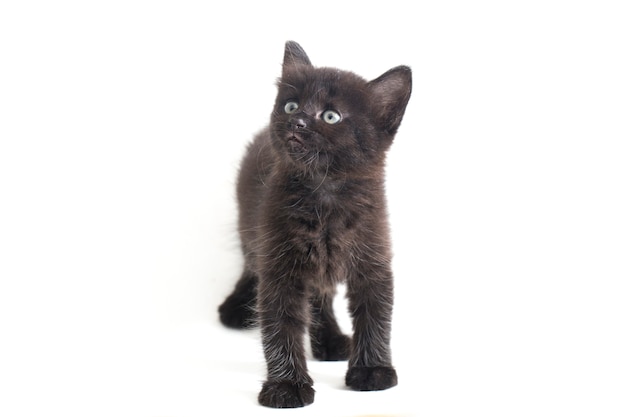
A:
324, 178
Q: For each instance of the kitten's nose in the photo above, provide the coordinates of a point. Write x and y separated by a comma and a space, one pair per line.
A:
297, 123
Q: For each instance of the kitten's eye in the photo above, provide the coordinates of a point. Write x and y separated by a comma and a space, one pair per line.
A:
331, 117
291, 107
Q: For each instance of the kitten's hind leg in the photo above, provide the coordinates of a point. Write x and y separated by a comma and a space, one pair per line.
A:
327, 341
238, 311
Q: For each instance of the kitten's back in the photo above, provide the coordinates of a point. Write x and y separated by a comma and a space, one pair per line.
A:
251, 184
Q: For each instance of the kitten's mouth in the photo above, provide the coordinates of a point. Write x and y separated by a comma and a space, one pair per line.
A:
295, 144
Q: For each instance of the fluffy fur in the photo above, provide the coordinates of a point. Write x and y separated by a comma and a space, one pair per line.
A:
312, 213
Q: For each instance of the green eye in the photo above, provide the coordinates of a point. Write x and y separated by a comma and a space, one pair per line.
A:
291, 107
331, 117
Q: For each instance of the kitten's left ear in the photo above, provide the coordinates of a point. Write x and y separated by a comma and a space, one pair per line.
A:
295, 55
391, 92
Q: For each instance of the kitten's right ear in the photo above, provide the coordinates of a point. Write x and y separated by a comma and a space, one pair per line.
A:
295, 55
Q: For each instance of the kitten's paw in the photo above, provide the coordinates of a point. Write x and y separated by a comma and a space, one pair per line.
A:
237, 313
362, 378
285, 394
335, 348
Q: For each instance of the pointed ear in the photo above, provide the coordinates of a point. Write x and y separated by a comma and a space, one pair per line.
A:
391, 92
294, 55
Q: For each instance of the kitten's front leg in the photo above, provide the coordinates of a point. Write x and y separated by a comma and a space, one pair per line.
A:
283, 319
370, 292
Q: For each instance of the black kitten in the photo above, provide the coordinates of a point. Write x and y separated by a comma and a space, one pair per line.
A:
312, 213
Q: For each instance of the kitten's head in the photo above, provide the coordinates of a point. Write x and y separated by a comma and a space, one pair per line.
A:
325, 118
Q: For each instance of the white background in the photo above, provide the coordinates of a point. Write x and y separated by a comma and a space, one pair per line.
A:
121, 127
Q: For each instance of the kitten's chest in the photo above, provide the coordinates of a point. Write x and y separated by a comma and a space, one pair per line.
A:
325, 226
321, 231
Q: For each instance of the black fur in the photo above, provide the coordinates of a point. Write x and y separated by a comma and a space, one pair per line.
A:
312, 213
